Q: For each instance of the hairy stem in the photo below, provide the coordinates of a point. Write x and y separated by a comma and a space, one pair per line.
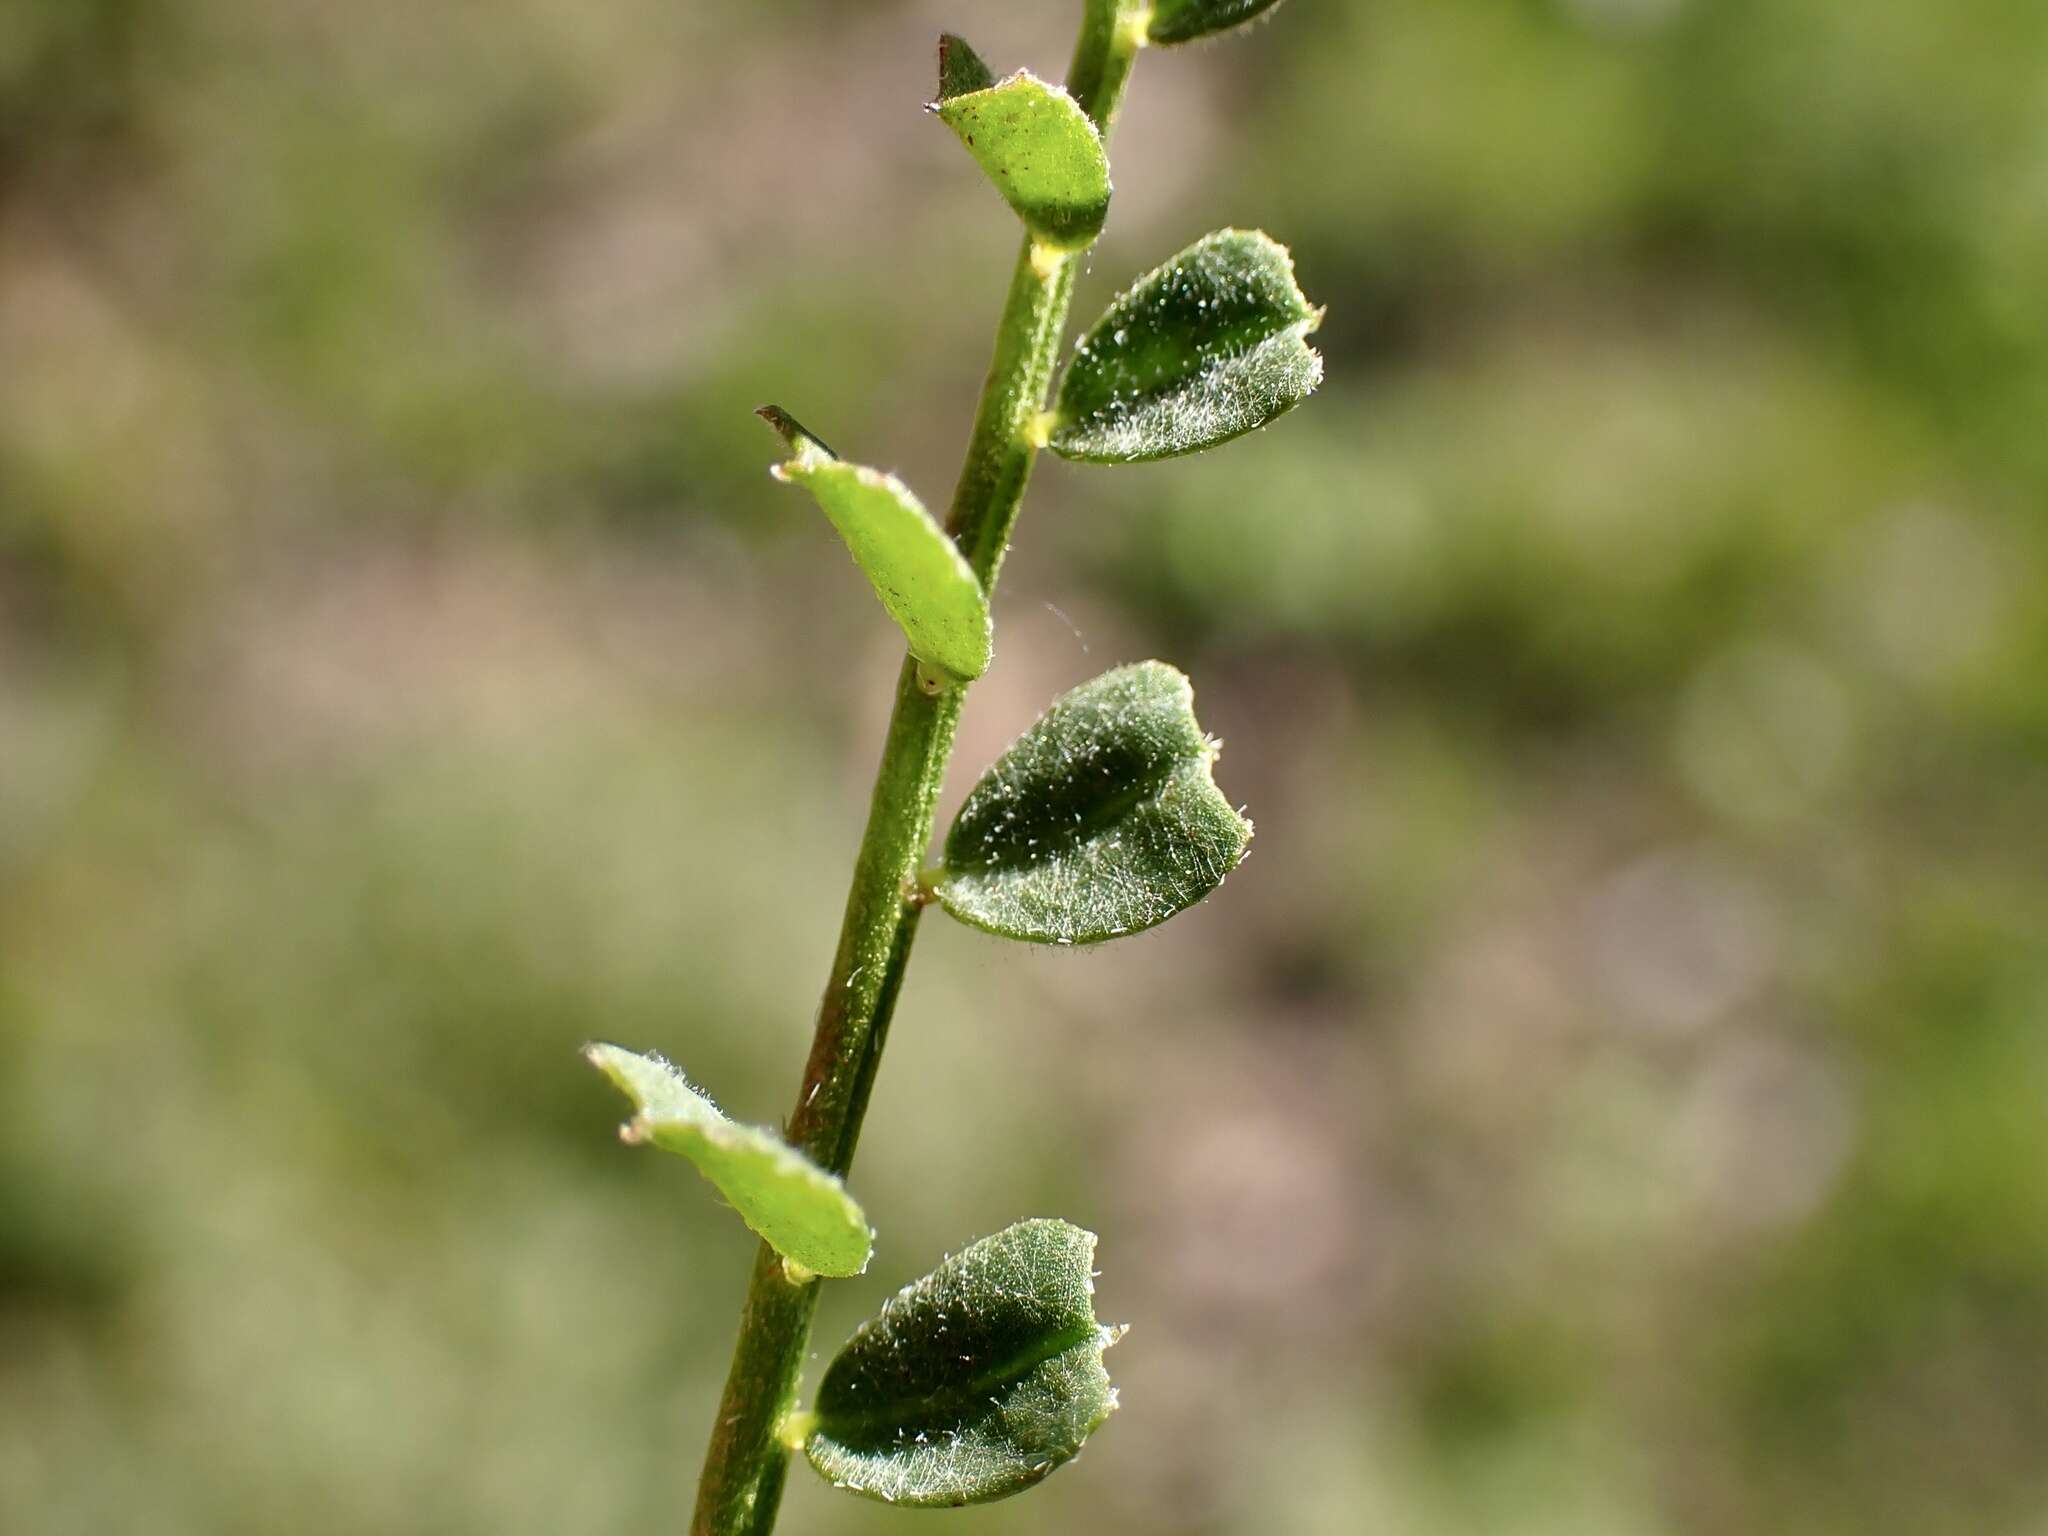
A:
747, 1460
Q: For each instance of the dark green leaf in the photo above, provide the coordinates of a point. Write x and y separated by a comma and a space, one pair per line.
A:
803, 1212
1205, 349
1100, 820
976, 1381
1181, 21
960, 68
1042, 153
915, 567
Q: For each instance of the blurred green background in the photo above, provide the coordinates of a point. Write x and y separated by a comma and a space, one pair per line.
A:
1611, 1100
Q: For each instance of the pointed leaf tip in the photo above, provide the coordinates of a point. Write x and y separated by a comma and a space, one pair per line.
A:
801, 439
916, 569
799, 1209
1101, 820
1042, 153
975, 1382
1206, 348
1182, 21
960, 68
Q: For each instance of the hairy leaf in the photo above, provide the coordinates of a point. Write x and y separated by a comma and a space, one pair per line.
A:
802, 1211
1202, 350
1038, 147
976, 1381
1181, 21
917, 570
1100, 820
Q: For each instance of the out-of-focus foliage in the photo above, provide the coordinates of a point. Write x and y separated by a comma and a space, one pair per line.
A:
1611, 1100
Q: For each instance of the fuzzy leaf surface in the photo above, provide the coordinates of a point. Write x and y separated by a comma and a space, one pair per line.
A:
1100, 820
976, 1381
1182, 21
1208, 347
914, 566
802, 1211
1042, 153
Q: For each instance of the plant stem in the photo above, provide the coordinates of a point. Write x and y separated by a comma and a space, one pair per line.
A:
746, 1462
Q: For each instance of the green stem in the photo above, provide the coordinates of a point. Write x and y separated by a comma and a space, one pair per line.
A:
746, 1462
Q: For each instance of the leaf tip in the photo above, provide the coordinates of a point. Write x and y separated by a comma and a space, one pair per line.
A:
803, 442
961, 69
616, 1063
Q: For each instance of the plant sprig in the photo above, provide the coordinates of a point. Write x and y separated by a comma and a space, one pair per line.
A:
1102, 819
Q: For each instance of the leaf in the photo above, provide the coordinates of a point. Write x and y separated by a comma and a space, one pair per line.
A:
1181, 21
1041, 151
960, 68
915, 567
975, 1382
1202, 350
1100, 820
803, 1212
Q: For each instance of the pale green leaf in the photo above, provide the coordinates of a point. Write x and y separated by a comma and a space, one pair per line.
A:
1100, 820
915, 567
976, 1381
1181, 21
802, 1211
1042, 153
1206, 348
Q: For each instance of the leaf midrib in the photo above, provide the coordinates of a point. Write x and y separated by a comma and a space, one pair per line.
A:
954, 1401
1090, 824
1138, 397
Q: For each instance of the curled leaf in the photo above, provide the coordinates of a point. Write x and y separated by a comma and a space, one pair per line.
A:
1182, 21
1206, 348
974, 1382
914, 566
1038, 147
1100, 820
800, 1210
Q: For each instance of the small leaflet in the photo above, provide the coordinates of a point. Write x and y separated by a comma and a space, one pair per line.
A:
1101, 820
916, 569
800, 1210
975, 1382
1037, 146
1206, 348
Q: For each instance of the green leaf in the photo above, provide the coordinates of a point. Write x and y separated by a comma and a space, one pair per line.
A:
1205, 349
1041, 151
803, 1212
975, 1382
1182, 21
960, 68
917, 570
1100, 820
